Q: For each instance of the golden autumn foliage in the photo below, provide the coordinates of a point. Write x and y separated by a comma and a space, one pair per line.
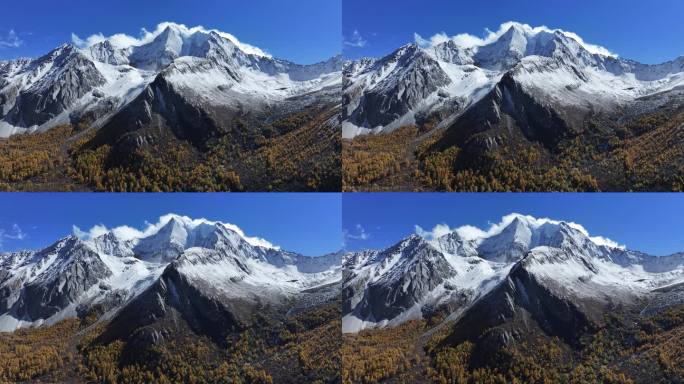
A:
301, 348
371, 158
29, 354
372, 356
629, 348
36, 161
644, 154
297, 152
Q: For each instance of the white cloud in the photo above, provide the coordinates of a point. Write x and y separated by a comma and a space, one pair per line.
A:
14, 233
11, 40
468, 41
356, 40
439, 230
358, 234
469, 232
121, 40
128, 233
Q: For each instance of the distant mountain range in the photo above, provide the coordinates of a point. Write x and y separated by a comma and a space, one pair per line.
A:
206, 69
535, 264
550, 66
181, 267
524, 89
196, 102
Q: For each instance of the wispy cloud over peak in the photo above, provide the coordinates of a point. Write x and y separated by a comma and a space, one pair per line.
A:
11, 40
125, 232
467, 40
355, 40
122, 40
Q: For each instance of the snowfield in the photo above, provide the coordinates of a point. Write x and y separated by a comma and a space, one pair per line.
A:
112, 268
103, 77
419, 79
388, 287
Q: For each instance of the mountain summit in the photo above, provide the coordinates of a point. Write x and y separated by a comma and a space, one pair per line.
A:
106, 274
98, 80
417, 81
459, 273
178, 109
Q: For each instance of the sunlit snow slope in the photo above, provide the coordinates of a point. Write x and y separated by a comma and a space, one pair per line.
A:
74, 275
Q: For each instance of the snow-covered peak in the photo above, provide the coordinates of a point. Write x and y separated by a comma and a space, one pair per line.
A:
165, 33
447, 75
529, 231
514, 36
172, 228
506, 49
170, 41
457, 268
99, 76
103, 264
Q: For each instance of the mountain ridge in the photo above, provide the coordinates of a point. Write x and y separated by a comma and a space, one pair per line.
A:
456, 272
73, 276
471, 71
129, 69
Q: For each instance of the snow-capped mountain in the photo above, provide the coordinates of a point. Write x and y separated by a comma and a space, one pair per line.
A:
95, 82
553, 67
458, 272
75, 276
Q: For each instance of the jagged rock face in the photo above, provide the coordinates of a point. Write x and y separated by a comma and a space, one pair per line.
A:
200, 73
451, 52
399, 92
522, 299
66, 75
506, 114
105, 52
111, 245
203, 270
173, 294
7, 70
51, 280
548, 272
412, 269
523, 80
160, 108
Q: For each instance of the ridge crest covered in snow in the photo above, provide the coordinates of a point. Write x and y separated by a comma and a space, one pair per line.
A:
111, 267
446, 75
454, 268
96, 77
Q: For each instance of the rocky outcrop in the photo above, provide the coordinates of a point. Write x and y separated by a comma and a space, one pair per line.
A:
508, 113
55, 286
175, 301
416, 268
64, 76
399, 92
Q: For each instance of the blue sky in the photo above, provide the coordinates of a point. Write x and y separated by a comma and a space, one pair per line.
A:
304, 31
648, 222
308, 223
647, 31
